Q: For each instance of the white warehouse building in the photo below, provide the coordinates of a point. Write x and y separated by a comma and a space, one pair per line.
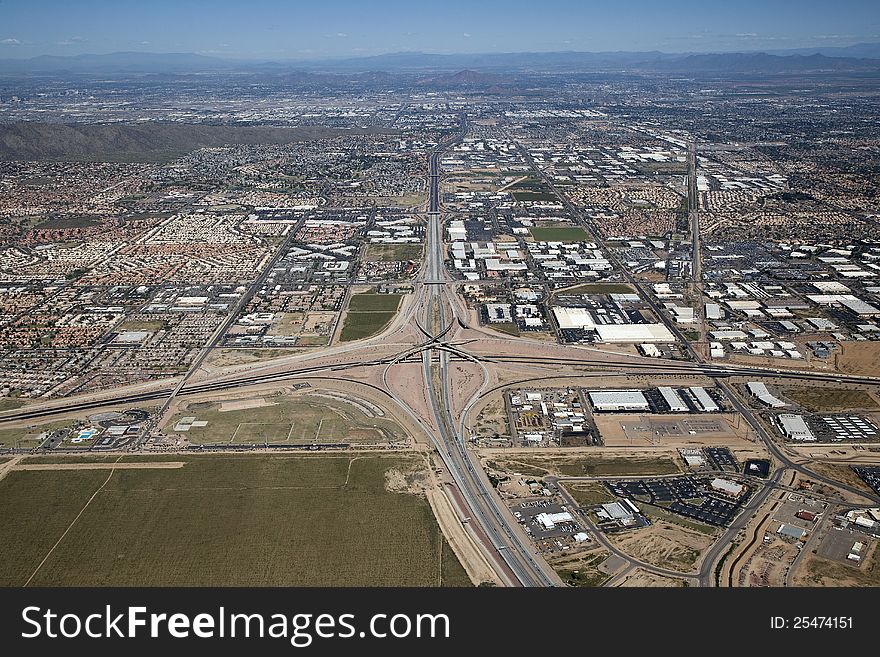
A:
619, 400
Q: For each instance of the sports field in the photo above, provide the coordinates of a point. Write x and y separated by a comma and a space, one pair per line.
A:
287, 420
239, 520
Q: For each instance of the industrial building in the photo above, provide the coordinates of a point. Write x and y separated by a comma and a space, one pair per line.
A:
618, 400
581, 318
794, 427
670, 396
705, 403
635, 333
549, 520
759, 391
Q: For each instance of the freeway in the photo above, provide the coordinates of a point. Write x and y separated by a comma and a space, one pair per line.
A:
487, 510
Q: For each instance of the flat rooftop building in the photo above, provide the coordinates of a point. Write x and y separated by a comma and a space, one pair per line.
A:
637, 333
619, 400
676, 404
759, 390
794, 427
704, 401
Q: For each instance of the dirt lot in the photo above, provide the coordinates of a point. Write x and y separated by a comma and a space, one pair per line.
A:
859, 358
818, 571
671, 430
642, 578
664, 544
574, 462
821, 399
583, 570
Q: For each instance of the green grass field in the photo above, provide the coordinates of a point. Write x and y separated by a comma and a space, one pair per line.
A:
392, 252
368, 314
289, 420
223, 521
358, 326
374, 302
559, 234
529, 195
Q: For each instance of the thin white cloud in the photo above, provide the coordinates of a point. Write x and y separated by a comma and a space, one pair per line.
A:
341, 35
10, 42
747, 35
466, 35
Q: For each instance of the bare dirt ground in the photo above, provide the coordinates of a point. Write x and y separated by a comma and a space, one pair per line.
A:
405, 381
767, 564
643, 578
819, 571
244, 404
664, 545
465, 380
848, 454
859, 358
741, 554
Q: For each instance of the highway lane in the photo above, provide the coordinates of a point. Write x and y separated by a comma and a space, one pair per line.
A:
487, 509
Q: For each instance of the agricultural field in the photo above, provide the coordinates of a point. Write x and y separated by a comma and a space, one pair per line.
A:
559, 234
239, 520
821, 400
285, 420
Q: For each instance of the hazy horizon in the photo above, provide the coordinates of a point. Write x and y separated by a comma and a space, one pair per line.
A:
272, 29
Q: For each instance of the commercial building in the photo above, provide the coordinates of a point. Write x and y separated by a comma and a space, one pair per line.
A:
727, 487
549, 520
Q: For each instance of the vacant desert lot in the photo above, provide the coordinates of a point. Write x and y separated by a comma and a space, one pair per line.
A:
237, 520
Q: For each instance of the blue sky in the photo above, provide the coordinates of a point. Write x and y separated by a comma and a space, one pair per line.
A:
297, 29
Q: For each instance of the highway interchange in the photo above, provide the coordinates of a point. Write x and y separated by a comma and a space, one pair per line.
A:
432, 329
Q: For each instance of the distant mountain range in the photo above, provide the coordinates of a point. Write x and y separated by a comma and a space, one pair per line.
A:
860, 57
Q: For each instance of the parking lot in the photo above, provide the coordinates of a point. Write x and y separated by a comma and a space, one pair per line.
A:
839, 428
722, 458
870, 475
527, 513
687, 496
